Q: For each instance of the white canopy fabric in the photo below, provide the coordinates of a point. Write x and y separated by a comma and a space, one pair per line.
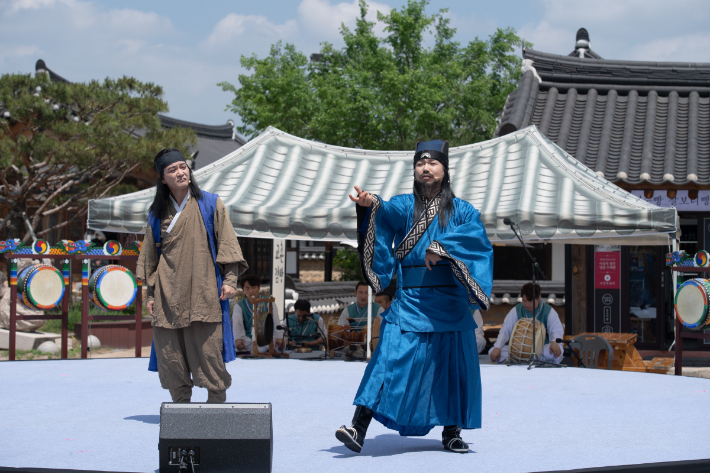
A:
282, 186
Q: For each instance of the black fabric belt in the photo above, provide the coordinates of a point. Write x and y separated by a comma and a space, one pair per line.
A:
420, 276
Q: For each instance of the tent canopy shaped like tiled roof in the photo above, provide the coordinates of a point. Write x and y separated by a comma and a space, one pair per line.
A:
631, 121
282, 186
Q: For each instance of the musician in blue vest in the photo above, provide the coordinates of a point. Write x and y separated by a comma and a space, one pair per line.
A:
424, 371
552, 351
190, 262
354, 316
243, 316
304, 328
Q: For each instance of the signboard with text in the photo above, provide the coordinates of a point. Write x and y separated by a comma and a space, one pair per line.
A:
682, 200
607, 289
278, 276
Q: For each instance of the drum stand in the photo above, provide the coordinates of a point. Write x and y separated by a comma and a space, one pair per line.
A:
534, 360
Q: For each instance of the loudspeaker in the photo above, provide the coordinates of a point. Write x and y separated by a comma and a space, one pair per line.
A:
234, 437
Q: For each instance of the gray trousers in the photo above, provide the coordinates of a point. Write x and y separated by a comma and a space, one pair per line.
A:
192, 356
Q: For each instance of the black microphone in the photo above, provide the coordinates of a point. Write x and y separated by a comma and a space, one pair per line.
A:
507, 221
559, 340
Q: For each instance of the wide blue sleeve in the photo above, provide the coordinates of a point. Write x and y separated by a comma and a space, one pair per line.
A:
466, 247
377, 227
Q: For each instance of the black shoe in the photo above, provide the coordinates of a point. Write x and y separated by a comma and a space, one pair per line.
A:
451, 438
354, 437
350, 438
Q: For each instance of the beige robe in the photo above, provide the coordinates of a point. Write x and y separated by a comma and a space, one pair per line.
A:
187, 316
182, 282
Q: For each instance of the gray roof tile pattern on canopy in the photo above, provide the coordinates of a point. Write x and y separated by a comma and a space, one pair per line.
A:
636, 122
282, 186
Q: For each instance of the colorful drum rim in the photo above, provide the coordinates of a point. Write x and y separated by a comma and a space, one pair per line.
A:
112, 248
27, 299
694, 282
40, 247
101, 303
702, 259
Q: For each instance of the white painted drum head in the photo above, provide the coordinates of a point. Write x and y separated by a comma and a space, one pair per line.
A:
113, 287
42, 286
691, 303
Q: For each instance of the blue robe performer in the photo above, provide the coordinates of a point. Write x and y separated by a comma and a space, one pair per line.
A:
425, 369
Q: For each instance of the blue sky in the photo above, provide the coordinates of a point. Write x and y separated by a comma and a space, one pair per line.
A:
187, 47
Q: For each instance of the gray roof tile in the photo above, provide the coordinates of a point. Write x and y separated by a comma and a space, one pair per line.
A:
637, 122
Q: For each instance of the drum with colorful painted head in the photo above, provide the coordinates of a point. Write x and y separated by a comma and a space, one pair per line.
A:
40, 286
691, 303
702, 259
112, 287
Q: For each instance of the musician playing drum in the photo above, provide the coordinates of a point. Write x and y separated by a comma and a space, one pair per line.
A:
190, 261
552, 351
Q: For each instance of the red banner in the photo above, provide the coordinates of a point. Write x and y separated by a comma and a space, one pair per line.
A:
607, 270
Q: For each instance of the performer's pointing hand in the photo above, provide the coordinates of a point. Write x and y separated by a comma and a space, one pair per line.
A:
363, 198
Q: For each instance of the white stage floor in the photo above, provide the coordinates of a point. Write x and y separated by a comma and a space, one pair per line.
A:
104, 415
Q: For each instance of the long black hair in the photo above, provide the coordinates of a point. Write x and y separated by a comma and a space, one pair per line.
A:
159, 207
446, 204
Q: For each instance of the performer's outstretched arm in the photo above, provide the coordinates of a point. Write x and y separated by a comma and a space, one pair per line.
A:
377, 224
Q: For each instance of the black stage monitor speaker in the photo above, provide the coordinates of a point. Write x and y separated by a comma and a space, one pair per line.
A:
234, 437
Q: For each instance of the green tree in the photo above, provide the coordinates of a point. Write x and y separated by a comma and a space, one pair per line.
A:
62, 144
382, 93
348, 261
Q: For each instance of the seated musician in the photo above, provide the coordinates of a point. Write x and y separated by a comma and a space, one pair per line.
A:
305, 329
354, 316
552, 351
243, 316
480, 338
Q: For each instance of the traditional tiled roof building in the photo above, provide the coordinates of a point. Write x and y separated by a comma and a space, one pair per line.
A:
644, 126
639, 124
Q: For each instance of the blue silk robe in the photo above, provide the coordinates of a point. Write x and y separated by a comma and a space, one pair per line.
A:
425, 369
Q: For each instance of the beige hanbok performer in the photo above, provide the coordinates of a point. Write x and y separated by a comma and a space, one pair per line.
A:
183, 295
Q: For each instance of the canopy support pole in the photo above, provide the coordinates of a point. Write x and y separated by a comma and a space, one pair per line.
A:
369, 320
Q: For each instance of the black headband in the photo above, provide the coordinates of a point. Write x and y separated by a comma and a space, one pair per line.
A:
432, 154
167, 159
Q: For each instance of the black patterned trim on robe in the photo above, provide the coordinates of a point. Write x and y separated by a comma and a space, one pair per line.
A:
366, 243
461, 272
419, 228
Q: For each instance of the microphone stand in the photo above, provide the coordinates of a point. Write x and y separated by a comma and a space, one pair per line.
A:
534, 360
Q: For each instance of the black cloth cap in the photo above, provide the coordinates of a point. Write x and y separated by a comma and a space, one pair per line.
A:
435, 149
167, 159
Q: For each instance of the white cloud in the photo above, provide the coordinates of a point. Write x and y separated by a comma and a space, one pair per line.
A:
18, 5
688, 48
628, 29
549, 38
9, 51
320, 19
235, 27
